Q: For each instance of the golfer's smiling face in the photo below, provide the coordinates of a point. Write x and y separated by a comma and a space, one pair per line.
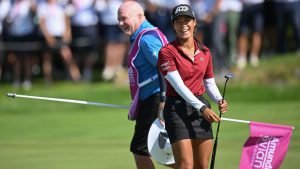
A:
184, 27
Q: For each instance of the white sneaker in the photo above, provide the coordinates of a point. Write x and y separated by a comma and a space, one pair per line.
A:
108, 74
241, 62
26, 85
254, 61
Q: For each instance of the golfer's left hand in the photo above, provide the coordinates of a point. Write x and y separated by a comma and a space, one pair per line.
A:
223, 107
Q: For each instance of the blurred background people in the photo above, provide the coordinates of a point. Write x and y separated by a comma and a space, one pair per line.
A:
269, 35
84, 22
55, 27
230, 13
21, 29
155, 9
287, 14
115, 42
4, 8
94, 33
251, 26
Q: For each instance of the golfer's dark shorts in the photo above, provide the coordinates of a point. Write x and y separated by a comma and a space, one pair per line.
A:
184, 122
147, 114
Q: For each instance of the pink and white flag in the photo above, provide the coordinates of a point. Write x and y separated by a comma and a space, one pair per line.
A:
266, 146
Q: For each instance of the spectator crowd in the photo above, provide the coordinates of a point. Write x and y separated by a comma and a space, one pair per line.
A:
79, 40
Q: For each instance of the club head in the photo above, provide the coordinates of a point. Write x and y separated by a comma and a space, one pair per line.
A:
229, 75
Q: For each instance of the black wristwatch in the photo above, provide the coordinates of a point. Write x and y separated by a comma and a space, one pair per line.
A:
202, 108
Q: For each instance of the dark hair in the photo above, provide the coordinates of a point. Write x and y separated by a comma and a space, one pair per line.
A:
200, 44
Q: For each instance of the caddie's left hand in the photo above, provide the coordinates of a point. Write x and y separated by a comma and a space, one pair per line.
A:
223, 107
160, 112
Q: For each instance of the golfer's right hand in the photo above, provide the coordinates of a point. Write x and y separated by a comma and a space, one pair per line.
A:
223, 107
210, 115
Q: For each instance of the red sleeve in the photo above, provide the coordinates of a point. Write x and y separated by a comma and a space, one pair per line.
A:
209, 73
166, 61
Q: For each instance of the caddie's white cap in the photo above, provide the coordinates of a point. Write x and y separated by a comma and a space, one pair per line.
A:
159, 145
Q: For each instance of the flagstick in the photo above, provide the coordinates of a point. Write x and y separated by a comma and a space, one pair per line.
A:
14, 95
235, 120
240, 121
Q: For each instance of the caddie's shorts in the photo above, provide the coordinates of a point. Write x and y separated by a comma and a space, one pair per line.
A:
147, 114
184, 122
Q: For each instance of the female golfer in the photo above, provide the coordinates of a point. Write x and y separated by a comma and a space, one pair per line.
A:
187, 66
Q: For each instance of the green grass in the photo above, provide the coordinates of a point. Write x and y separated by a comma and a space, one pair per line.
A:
38, 134
277, 70
52, 135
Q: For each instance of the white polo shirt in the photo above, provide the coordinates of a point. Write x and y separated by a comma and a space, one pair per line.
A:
54, 15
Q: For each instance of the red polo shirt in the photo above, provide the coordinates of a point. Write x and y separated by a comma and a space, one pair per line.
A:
171, 58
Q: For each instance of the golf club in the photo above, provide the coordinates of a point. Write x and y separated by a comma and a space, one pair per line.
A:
14, 95
213, 157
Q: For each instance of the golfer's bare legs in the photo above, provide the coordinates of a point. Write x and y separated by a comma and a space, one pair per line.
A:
183, 154
202, 152
143, 162
192, 154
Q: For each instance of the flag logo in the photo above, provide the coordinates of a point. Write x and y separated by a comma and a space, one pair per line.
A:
264, 152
